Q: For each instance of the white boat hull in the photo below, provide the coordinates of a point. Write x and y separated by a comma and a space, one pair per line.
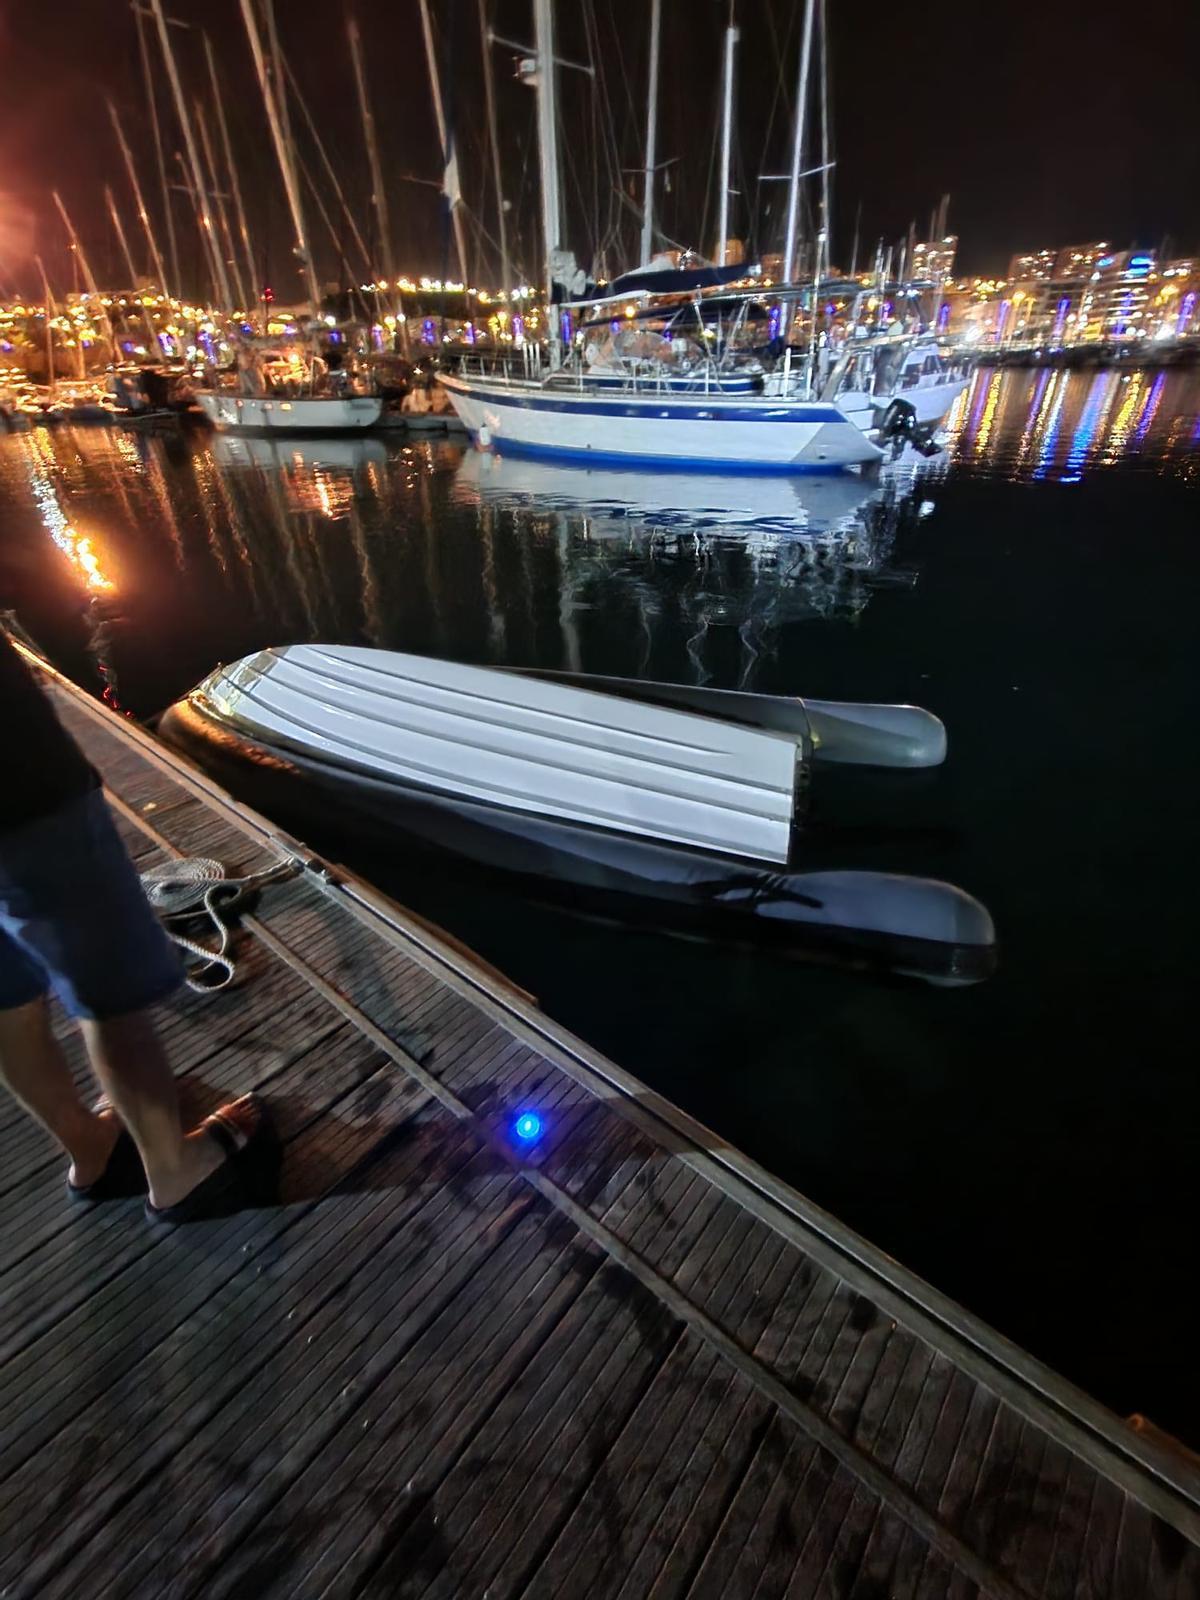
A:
931, 402
235, 413
546, 748
704, 431
607, 801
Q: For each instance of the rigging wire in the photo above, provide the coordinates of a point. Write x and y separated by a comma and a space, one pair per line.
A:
632, 118
712, 168
327, 164
610, 237
781, 52
529, 144
828, 175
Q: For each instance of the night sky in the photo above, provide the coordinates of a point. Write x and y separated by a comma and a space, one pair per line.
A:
1046, 125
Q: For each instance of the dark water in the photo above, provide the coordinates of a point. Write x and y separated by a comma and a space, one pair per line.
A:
1028, 1145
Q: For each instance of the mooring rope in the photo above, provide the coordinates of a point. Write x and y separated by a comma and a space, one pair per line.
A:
196, 887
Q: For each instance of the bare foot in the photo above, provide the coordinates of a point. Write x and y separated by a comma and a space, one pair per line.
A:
93, 1148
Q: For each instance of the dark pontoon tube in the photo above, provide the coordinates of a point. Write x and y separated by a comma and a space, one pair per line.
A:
915, 926
845, 732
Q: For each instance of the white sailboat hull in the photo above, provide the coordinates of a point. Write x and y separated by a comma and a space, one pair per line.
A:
702, 431
235, 413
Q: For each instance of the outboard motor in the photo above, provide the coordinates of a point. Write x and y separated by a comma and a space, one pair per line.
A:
900, 427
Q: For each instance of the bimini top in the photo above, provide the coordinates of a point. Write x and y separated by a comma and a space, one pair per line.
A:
549, 748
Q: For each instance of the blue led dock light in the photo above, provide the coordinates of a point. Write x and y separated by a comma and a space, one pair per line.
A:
527, 1126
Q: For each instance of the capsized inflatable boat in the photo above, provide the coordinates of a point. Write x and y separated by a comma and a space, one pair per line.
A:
678, 801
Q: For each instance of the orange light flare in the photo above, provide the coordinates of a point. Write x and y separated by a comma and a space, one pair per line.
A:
79, 548
80, 551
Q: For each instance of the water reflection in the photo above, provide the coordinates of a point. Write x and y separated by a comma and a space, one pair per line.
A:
218, 546
497, 559
320, 475
701, 570
808, 504
1057, 426
46, 478
1033, 610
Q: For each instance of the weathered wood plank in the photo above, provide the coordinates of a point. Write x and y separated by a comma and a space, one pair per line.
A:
322, 1368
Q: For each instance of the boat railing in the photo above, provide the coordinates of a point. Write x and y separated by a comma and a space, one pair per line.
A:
641, 375
522, 363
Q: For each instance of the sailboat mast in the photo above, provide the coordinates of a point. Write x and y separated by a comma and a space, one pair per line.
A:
378, 194
220, 279
48, 298
119, 230
651, 135
826, 158
489, 91
207, 288
235, 187
547, 105
225, 237
85, 268
731, 39
449, 159
793, 210
283, 154
143, 214
369, 265
152, 102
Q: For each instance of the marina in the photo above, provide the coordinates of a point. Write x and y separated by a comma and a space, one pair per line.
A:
599, 778
184, 554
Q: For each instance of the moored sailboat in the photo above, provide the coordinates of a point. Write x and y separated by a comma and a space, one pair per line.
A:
678, 405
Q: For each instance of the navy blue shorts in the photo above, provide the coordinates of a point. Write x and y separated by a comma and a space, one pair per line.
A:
74, 919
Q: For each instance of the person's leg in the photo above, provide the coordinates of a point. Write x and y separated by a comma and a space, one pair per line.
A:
73, 911
128, 1059
35, 1072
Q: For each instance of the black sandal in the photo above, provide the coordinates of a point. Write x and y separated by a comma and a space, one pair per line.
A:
244, 1133
123, 1177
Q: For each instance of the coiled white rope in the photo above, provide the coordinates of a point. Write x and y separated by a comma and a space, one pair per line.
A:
196, 887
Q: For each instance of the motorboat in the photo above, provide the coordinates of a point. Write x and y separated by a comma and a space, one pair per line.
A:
313, 414
675, 802
896, 388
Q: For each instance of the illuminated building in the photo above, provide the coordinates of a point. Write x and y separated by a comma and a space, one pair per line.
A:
1078, 260
1035, 267
933, 261
1119, 295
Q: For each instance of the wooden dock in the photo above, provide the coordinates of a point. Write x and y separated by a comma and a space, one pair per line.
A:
619, 1361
